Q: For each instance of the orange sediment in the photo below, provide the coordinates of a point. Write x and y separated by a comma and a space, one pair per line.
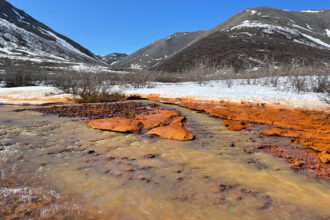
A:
115, 124
161, 122
310, 128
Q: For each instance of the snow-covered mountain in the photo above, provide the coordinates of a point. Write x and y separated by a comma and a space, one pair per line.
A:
26, 39
256, 35
157, 51
113, 57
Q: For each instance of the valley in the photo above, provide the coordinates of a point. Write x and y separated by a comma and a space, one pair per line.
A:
228, 122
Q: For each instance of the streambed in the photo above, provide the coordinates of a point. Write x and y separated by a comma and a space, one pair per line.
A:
53, 167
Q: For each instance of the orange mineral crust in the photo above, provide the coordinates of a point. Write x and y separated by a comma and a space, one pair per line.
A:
128, 117
309, 128
115, 124
161, 122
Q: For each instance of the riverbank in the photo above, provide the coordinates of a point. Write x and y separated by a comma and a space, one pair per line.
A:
306, 128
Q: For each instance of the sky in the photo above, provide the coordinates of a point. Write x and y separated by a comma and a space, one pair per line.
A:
124, 26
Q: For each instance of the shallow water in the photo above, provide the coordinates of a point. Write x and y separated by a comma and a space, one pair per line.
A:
59, 167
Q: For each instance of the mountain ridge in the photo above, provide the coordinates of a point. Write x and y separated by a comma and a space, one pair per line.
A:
23, 37
113, 57
257, 33
152, 54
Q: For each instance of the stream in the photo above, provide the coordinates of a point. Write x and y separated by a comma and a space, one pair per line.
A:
53, 167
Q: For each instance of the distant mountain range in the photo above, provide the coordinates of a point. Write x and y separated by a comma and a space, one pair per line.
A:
249, 38
113, 57
151, 55
26, 39
257, 35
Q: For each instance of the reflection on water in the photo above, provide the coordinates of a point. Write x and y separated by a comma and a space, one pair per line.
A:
60, 168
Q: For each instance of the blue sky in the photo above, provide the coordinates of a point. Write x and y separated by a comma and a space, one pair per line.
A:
106, 26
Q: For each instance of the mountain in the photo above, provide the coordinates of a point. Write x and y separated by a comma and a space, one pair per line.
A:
156, 52
113, 57
258, 35
22, 38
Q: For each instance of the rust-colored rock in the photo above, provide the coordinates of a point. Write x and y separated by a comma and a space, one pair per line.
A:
115, 124
124, 117
234, 125
149, 156
324, 157
172, 132
162, 122
156, 118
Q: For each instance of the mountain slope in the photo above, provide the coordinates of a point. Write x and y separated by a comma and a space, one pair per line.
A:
113, 57
24, 38
154, 53
255, 35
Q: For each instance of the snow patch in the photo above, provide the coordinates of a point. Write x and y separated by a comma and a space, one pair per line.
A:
82, 67
312, 11
316, 40
135, 66
327, 31
65, 43
270, 29
20, 17
309, 27
253, 12
31, 95
297, 26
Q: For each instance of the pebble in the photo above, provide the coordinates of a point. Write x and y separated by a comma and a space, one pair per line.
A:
149, 156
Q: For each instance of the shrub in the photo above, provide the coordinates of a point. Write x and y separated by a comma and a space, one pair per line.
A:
16, 75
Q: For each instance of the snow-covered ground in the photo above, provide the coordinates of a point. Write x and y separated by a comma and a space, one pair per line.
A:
32, 95
210, 91
218, 91
82, 67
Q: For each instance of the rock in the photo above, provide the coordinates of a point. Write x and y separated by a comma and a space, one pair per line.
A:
178, 121
118, 124
234, 125
156, 118
297, 164
324, 157
262, 146
149, 156
172, 132
246, 151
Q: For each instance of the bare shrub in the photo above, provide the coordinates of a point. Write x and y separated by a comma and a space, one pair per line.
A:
142, 78
326, 97
16, 75
299, 83
229, 83
321, 84
66, 81
199, 73
89, 87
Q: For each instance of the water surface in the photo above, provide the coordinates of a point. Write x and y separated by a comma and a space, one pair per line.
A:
61, 168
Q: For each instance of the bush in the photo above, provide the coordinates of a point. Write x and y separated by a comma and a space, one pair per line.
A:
321, 84
16, 75
90, 87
